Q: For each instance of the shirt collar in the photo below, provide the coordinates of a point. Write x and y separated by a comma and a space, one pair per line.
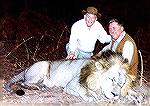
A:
121, 36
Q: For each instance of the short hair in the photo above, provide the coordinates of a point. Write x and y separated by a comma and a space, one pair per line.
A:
117, 21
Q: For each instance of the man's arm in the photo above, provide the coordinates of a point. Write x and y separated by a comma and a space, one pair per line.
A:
128, 51
72, 42
103, 36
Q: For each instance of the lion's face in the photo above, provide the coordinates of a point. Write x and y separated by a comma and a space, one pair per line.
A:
112, 81
107, 74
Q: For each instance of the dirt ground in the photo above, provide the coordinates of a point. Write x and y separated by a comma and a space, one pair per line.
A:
14, 58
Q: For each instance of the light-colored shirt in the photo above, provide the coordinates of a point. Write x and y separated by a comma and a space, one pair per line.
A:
84, 39
127, 48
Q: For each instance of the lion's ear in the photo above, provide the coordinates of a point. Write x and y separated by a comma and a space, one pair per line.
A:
98, 66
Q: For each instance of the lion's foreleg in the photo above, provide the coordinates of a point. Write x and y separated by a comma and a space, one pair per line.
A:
127, 86
74, 88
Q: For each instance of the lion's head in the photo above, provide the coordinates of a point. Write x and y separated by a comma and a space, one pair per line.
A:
106, 73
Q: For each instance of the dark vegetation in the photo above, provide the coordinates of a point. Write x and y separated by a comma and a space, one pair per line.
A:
28, 38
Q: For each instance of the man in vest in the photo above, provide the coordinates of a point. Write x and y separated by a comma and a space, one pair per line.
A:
122, 43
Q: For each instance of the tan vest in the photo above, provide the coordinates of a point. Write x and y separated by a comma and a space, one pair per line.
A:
134, 62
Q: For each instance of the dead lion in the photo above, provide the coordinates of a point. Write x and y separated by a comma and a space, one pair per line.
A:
87, 78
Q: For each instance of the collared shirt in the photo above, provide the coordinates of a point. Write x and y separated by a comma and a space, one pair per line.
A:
84, 39
127, 48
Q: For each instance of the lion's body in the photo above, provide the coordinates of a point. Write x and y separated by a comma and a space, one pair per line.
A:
81, 77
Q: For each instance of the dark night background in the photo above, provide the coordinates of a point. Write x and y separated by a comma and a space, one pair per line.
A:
133, 12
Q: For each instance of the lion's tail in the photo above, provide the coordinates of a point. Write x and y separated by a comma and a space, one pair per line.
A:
17, 78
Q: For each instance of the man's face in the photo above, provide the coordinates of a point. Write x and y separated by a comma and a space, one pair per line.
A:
90, 19
115, 30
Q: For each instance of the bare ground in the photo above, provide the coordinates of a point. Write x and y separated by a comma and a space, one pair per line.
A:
12, 65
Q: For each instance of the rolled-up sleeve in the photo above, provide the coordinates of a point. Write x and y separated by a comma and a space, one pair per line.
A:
73, 38
106, 38
103, 36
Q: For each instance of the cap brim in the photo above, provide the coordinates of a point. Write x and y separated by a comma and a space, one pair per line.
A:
84, 12
99, 15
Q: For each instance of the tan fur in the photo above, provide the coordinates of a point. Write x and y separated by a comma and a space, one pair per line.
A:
90, 74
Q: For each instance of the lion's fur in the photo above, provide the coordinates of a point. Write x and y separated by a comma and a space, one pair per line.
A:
89, 75
78, 77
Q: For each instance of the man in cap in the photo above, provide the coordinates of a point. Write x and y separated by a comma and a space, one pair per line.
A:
85, 33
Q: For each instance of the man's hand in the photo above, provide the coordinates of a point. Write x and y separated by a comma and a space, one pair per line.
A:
71, 56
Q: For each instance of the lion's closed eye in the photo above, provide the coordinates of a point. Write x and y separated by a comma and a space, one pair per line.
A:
99, 66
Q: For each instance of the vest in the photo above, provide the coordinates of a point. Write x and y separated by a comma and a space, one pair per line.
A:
133, 68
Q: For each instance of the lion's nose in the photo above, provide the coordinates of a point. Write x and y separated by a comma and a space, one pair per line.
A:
115, 94
116, 91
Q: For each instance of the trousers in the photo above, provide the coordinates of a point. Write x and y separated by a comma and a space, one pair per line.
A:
79, 53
